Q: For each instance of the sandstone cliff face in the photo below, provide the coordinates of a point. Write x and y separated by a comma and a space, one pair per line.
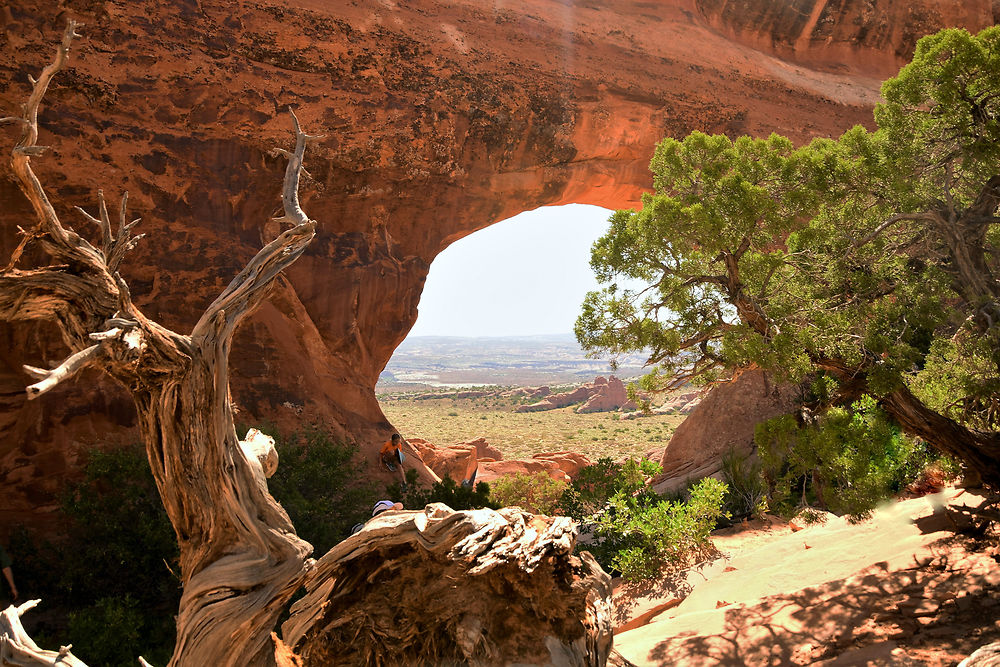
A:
840, 35
440, 119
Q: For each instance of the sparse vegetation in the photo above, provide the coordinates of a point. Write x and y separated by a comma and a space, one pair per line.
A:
519, 435
847, 462
536, 492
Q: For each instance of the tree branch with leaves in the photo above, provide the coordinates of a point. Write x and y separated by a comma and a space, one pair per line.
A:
872, 258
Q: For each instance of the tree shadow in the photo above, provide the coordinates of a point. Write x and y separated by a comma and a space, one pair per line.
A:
945, 602
671, 587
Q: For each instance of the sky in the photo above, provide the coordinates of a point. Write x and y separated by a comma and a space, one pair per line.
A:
523, 276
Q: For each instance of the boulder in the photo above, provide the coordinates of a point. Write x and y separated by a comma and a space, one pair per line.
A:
681, 403
570, 463
725, 419
456, 461
484, 450
494, 469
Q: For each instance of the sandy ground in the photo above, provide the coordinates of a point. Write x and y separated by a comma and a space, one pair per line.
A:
902, 588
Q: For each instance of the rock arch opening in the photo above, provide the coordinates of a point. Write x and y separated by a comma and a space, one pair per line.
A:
498, 297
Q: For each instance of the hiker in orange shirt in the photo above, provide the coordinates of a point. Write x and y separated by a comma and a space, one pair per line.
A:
392, 458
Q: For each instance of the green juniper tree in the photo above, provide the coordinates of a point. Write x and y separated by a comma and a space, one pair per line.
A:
872, 258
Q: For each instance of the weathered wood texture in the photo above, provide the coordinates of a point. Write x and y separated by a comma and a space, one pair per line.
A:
240, 558
17, 648
437, 586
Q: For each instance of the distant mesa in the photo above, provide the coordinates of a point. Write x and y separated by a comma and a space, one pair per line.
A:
601, 395
679, 404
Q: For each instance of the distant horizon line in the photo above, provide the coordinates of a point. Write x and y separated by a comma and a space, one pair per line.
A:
538, 335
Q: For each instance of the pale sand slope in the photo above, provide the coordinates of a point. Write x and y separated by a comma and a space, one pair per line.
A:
898, 589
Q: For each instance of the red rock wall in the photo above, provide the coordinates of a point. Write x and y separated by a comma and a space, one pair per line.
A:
841, 35
440, 119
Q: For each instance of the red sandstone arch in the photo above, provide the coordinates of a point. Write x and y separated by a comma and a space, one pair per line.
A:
441, 118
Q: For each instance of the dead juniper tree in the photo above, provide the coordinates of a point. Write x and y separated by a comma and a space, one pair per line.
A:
240, 558
421, 587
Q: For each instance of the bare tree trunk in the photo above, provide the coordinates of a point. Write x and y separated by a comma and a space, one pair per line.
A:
240, 558
978, 450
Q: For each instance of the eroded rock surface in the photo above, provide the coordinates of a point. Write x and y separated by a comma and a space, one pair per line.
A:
724, 420
440, 119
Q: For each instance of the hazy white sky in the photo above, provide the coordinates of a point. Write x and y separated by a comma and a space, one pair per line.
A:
523, 276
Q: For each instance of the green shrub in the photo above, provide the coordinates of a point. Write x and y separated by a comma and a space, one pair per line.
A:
536, 492
649, 536
108, 631
597, 483
634, 531
446, 491
850, 460
322, 485
107, 582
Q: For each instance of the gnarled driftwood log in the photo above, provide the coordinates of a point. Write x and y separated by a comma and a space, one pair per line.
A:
240, 558
437, 586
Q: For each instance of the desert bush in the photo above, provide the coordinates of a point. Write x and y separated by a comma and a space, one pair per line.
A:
647, 536
847, 462
633, 530
597, 483
747, 491
536, 492
322, 485
447, 491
